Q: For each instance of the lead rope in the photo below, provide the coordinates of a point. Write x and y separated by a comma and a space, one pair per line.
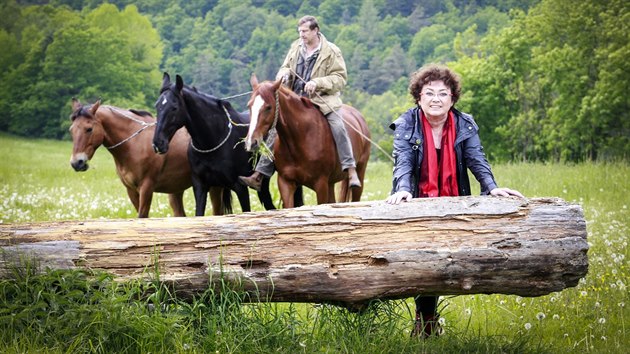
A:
230, 124
349, 124
144, 124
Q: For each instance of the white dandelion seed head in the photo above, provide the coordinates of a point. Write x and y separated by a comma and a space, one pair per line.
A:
528, 326
540, 316
601, 320
556, 317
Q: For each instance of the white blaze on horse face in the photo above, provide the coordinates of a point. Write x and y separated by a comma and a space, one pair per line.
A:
258, 103
164, 101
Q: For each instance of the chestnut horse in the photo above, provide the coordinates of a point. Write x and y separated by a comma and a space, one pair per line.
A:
127, 136
304, 150
216, 152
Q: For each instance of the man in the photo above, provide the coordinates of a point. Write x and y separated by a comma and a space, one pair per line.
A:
321, 75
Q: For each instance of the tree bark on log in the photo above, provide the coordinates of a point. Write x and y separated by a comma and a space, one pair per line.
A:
337, 253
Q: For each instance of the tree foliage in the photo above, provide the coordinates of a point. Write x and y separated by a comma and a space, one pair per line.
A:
545, 79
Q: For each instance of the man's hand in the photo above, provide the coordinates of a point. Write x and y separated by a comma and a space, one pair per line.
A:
310, 87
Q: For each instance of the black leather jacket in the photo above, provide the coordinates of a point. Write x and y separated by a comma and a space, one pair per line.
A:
408, 153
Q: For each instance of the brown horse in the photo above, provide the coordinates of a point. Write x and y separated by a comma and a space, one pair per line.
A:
304, 151
127, 135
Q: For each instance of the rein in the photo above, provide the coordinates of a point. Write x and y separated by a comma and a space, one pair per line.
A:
145, 125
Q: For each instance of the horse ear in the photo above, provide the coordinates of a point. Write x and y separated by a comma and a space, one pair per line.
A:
179, 82
277, 84
95, 106
253, 80
166, 79
75, 104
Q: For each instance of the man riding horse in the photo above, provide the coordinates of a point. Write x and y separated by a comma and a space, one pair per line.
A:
315, 68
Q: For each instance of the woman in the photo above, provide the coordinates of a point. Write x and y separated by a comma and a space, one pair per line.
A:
433, 145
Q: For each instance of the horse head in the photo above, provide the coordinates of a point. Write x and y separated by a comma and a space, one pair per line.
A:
87, 134
171, 112
263, 110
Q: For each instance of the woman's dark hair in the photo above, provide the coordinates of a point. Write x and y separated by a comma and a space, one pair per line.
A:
313, 22
434, 72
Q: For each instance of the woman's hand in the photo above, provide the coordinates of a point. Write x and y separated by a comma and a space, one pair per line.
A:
398, 197
505, 192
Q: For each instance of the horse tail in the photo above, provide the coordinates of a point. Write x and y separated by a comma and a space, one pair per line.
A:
226, 201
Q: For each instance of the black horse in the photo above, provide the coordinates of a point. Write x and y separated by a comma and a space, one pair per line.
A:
217, 154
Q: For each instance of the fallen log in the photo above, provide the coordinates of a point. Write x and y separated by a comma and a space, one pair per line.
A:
339, 253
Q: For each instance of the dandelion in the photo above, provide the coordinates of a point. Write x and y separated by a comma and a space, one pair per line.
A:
468, 312
597, 304
583, 293
556, 317
621, 304
601, 320
603, 337
621, 285
566, 335
442, 321
540, 316
528, 326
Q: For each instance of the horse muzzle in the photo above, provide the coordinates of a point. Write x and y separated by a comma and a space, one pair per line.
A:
251, 144
159, 150
79, 165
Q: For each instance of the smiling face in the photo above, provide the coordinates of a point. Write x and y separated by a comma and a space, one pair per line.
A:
435, 100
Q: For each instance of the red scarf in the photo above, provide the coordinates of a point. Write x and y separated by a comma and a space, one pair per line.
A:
438, 177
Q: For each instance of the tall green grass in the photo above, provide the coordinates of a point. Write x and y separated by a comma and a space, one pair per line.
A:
83, 311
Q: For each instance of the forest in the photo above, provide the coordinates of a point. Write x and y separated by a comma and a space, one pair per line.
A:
546, 80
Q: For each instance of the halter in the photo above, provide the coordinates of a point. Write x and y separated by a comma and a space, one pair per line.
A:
230, 123
145, 125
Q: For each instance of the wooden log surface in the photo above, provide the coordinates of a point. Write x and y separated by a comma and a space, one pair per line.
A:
339, 253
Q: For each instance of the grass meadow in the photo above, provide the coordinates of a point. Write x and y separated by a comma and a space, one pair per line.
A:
81, 311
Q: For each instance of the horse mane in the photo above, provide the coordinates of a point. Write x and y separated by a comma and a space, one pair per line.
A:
267, 95
141, 113
84, 111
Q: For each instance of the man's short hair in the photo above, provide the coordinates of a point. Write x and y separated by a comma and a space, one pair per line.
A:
313, 22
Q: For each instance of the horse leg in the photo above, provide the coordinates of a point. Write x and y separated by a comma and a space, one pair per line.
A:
323, 191
135, 199
331, 193
176, 201
242, 193
201, 197
146, 197
287, 189
216, 195
264, 195
344, 192
357, 192
298, 196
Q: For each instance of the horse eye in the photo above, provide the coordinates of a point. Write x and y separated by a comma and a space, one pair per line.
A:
88, 130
